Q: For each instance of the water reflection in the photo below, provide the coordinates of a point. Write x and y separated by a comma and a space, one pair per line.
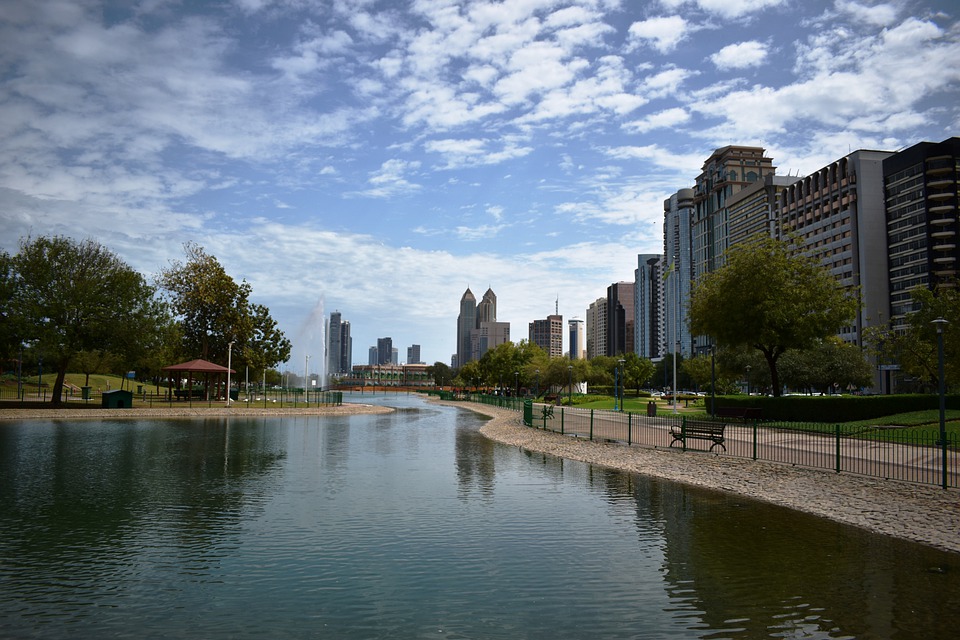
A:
411, 524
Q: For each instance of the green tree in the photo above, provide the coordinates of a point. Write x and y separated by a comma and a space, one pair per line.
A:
771, 299
214, 310
637, 371
74, 296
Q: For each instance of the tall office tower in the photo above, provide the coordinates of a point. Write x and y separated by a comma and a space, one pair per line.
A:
678, 271
727, 171
597, 328
413, 354
339, 345
346, 348
487, 309
836, 216
752, 211
466, 323
578, 339
620, 318
921, 185
373, 356
384, 350
648, 306
548, 335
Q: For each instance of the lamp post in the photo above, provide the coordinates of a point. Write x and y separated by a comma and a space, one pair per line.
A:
229, 366
570, 385
713, 380
940, 322
623, 381
306, 377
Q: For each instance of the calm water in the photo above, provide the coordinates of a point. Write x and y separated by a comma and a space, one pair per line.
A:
412, 525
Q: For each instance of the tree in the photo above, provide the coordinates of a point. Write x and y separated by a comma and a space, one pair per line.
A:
915, 348
71, 296
213, 311
770, 299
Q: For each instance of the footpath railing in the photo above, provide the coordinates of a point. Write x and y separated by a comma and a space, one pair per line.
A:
144, 398
891, 453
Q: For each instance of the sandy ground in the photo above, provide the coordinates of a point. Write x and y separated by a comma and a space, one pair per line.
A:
921, 513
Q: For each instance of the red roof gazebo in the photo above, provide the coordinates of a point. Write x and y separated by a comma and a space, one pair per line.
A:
192, 367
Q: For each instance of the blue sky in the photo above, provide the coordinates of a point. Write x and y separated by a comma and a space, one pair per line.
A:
378, 157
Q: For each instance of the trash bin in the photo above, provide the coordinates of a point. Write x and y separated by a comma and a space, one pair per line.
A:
652, 409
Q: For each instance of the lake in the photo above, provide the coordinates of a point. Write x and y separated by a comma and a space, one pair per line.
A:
413, 525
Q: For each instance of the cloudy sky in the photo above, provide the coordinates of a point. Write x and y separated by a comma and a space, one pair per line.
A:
380, 156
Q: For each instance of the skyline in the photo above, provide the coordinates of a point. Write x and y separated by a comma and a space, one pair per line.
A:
379, 158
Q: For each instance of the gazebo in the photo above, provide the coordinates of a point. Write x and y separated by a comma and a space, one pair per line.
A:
198, 367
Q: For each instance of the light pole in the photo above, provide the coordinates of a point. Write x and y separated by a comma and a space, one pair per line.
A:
713, 380
623, 381
229, 367
940, 322
306, 377
570, 385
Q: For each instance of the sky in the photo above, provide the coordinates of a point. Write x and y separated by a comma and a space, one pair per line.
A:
378, 157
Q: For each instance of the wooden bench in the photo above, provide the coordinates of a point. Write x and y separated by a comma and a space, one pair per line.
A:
741, 413
698, 430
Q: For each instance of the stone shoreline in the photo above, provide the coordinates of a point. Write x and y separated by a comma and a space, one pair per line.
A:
919, 513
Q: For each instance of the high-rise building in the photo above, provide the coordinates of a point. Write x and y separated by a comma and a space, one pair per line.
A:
836, 216
597, 328
339, 345
648, 306
384, 350
921, 184
620, 318
477, 327
578, 339
413, 354
548, 335
466, 323
678, 271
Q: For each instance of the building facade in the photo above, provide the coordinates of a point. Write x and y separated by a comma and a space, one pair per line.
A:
577, 339
921, 187
548, 335
648, 306
620, 318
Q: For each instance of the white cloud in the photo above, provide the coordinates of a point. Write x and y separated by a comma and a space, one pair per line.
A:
662, 33
740, 55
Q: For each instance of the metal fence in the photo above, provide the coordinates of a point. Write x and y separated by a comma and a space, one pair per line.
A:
893, 453
143, 397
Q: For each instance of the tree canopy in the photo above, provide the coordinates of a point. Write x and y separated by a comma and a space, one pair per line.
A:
68, 297
771, 299
214, 310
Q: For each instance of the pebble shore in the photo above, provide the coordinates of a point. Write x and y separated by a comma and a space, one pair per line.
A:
920, 513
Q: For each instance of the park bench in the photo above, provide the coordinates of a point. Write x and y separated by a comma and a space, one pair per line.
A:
741, 413
698, 430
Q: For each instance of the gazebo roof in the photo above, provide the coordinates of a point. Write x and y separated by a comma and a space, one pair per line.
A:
201, 366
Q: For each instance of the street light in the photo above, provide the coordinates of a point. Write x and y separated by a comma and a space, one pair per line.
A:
570, 385
940, 322
229, 366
